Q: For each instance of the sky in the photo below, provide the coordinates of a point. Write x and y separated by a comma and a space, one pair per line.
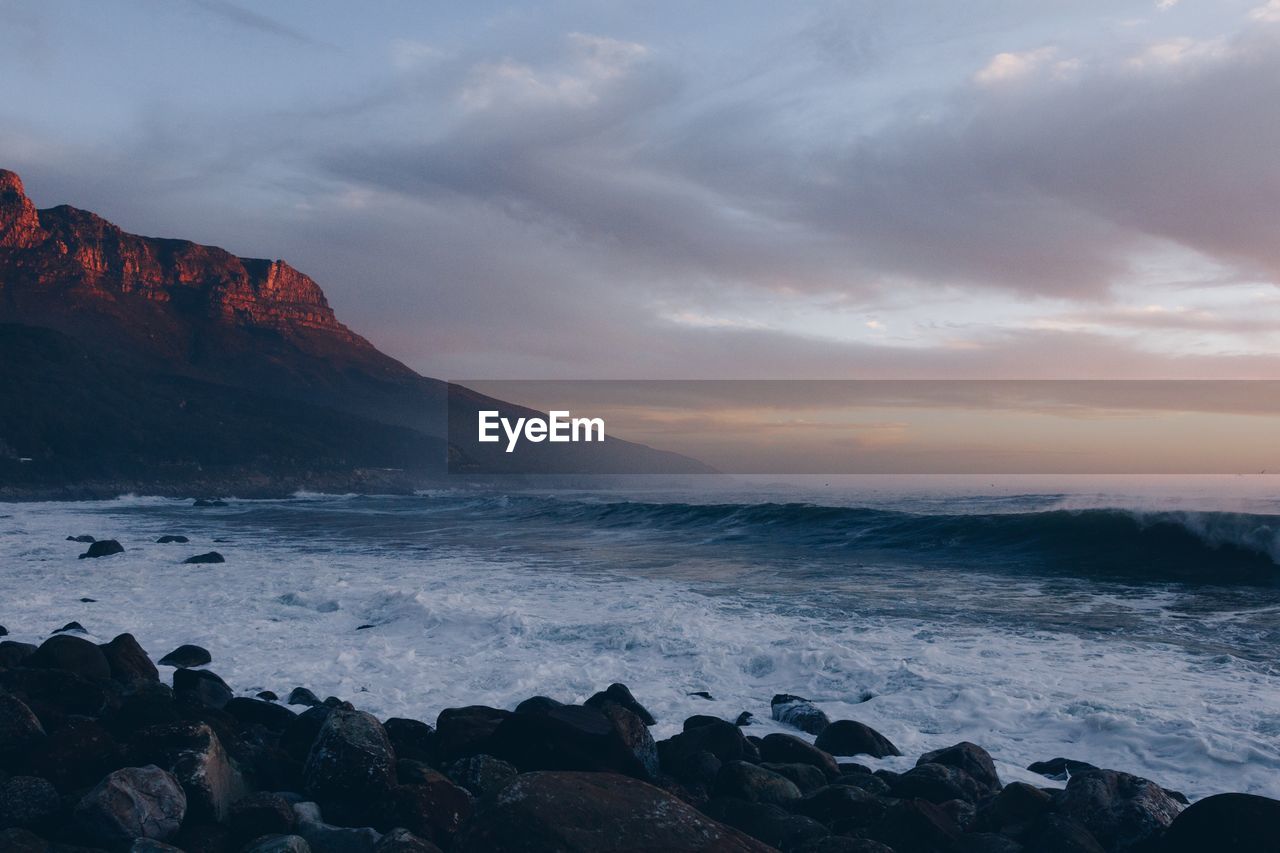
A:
824, 190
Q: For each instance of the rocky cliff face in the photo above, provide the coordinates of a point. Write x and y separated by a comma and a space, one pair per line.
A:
66, 253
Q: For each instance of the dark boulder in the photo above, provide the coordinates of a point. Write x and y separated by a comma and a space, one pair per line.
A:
350, 771
195, 755
268, 696
172, 538
432, 809
481, 774
76, 754
260, 814
576, 737
134, 802
1059, 769
465, 731
683, 756
843, 844
1226, 823
83, 539
851, 807
71, 627
588, 812
28, 802
103, 548
72, 654
208, 557
404, 841
128, 661
142, 704
200, 687
13, 653
786, 749
620, 694
938, 783
798, 712
917, 826
259, 712
187, 655
699, 720
767, 823
1120, 810
1060, 834
538, 705
325, 837
849, 737
300, 734
868, 782
755, 784
302, 696
22, 841
1017, 804
53, 693
278, 844
805, 776
20, 729
744, 719
970, 758
412, 739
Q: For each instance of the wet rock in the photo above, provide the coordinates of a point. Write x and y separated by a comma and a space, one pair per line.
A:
53, 693
1059, 834
798, 712
278, 844
842, 844
465, 731
208, 557
134, 802
149, 845
327, 838
987, 842
76, 754
1225, 823
849, 737
103, 548
432, 809
187, 655
258, 712
201, 687
404, 841
302, 696
28, 802
916, 825
970, 758
260, 814
4, 632
1059, 769
702, 694
141, 705
787, 749
13, 653
412, 739
852, 807
350, 770
938, 783
481, 774
755, 784
588, 812
744, 719
128, 661
83, 539
620, 694
1119, 809
538, 705
172, 538
20, 729
576, 737
681, 755
766, 823
195, 755
868, 782
805, 776
73, 627
1016, 805
699, 720
22, 841
297, 738
268, 696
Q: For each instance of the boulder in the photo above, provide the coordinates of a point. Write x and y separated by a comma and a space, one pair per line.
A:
849, 737
278, 844
786, 749
13, 653
102, 548
76, 754
432, 809
1059, 769
575, 737
970, 758
916, 825
868, 782
20, 729
300, 734
465, 731
798, 712
150, 845
851, 807
83, 539
260, 814
28, 802
196, 757
53, 693
845, 844
538, 705
326, 838
22, 841
767, 823
259, 712
208, 557
684, 756
268, 696
1017, 805
134, 802
620, 694
755, 784
72, 654
170, 538
412, 739
187, 655
302, 696
938, 783
1120, 810
1060, 834
1225, 823
350, 770
481, 774
805, 776
142, 704
128, 661
404, 841
201, 687
587, 812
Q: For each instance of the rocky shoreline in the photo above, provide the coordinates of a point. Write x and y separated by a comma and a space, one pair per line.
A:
97, 753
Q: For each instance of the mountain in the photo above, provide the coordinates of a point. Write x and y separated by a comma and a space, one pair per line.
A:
147, 360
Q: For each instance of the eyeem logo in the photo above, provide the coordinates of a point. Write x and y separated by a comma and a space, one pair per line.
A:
561, 427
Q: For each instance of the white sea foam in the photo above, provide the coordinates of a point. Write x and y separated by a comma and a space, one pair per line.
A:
454, 627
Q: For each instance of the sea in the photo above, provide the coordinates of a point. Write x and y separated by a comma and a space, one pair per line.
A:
1133, 623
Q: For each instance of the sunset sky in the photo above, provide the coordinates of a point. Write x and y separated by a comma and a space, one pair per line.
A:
670, 190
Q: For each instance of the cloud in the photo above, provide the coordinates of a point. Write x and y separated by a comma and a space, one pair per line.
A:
598, 62
249, 19
1267, 13
1004, 67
